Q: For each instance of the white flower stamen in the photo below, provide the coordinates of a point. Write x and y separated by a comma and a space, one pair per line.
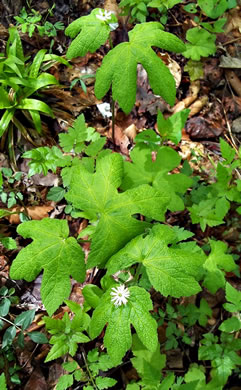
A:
104, 15
120, 295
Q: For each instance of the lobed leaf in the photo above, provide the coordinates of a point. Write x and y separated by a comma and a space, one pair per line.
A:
201, 44
53, 251
122, 74
96, 194
143, 170
171, 270
90, 33
117, 337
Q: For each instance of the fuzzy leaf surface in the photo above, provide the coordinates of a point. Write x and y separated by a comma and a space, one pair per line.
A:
97, 195
118, 337
90, 33
171, 270
53, 251
122, 75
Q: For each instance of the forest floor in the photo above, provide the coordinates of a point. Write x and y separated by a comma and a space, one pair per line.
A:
215, 103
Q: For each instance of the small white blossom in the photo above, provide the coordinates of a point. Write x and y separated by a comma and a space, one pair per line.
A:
104, 15
120, 295
113, 26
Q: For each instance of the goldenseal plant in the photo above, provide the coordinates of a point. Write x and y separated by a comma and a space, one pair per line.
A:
92, 31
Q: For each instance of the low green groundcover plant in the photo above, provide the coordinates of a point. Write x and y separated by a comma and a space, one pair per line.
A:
146, 266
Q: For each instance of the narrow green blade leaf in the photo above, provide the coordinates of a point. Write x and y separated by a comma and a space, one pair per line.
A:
36, 105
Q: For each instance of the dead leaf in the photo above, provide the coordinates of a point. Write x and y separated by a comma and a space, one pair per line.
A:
230, 62
55, 372
234, 81
201, 128
213, 72
74, 101
111, 5
174, 358
236, 126
191, 97
234, 20
3, 32
188, 146
121, 139
35, 212
131, 131
198, 105
173, 66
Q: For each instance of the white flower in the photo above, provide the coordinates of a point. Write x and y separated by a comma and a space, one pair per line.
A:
120, 295
104, 15
113, 26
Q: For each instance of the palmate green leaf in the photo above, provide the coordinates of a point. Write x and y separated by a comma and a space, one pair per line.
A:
96, 194
223, 366
65, 381
214, 265
171, 271
53, 251
122, 74
76, 136
90, 32
201, 44
143, 170
117, 337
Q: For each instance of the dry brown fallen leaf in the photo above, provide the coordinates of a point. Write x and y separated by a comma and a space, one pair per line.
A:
35, 212
36, 381
234, 81
173, 66
234, 20
191, 97
197, 105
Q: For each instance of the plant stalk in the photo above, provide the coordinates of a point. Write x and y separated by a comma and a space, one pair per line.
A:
112, 104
